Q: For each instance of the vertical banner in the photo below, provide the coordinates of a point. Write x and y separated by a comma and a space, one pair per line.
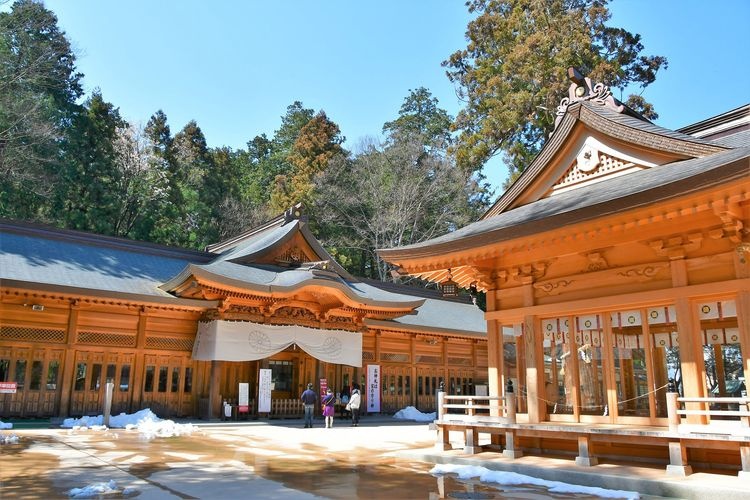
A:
323, 387
264, 390
244, 400
373, 388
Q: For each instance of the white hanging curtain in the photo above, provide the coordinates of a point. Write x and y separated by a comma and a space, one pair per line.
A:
246, 341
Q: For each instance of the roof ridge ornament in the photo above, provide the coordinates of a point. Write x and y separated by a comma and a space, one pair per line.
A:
581, 89
296, 212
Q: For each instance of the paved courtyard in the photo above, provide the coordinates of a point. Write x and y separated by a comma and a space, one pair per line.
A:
280, 459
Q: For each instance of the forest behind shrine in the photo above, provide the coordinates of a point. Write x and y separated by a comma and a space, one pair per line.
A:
71, 160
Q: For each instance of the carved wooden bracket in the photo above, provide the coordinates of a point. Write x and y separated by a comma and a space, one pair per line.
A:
677, 247
732, 226
597, 262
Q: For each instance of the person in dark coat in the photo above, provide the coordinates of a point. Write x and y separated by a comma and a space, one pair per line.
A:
308, 399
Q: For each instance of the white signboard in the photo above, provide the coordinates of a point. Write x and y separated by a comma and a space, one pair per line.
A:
244, 399
264, 391
373, 388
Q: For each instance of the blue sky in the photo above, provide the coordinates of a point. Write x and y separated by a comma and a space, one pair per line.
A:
235, 66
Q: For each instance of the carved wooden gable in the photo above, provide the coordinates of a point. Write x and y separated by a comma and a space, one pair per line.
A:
594, 161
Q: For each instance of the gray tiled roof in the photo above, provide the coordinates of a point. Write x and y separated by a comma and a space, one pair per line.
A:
610, 195
57, 262
737, 140
442, 314
259, 242
60, 258
645, 126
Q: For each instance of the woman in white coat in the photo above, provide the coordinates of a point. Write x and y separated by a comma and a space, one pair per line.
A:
353, 406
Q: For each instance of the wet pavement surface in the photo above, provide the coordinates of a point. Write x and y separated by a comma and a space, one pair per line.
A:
249, 460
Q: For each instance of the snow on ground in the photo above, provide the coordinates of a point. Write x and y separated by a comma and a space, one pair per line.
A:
144, 421
513, 478
3, 425
8, 439
411, 413
97, 489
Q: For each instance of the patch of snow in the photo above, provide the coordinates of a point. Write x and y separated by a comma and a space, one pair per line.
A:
411, 413
513, 478
3, 425
8, 439
97, 489
144, 421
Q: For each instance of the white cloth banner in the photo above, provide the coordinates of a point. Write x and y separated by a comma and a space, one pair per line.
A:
246, 341
264, 390
373, 388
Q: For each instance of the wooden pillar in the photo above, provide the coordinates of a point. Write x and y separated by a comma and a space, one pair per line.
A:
691, 356
743, 322
214, 389
534, 357
494, 352
139, 361
68, 372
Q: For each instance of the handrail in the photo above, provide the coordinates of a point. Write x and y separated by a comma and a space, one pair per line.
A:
674, 413
500, 407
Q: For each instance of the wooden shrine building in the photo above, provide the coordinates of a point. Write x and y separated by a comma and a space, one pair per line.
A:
177, 330
621, 257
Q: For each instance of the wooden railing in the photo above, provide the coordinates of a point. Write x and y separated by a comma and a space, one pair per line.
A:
678, 407
477, 408
286, 408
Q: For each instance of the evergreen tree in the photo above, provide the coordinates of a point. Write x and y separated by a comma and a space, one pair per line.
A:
39, 87
318, 141
87, 196
512, 74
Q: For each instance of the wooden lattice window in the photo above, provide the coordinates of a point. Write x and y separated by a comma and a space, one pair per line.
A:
32, 334
421, 358
395, 357
105, 338
169, 343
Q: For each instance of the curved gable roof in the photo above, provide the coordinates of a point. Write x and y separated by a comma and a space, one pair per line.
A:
620, 128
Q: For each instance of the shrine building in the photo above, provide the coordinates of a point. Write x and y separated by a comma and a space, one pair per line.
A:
177, 330
618, 263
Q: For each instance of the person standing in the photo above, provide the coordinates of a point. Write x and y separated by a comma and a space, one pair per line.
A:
308, 399
353, 406
329, 407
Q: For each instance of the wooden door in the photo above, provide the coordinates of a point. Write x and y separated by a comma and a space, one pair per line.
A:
167, 385
428, 383
36, 373
87, 396
396, 388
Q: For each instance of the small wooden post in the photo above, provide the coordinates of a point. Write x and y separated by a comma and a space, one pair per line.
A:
672, 417
442, 442
584, 458
510, 403
510, 450
471, 445
678, 459
441, 405
745, 460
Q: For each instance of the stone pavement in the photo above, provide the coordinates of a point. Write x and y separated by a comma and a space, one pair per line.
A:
281, 459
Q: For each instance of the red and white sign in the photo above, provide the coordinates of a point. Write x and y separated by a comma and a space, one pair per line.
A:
8, 387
